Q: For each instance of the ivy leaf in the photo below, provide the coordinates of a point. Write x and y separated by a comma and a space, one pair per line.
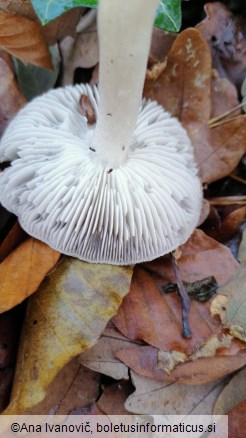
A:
168, 13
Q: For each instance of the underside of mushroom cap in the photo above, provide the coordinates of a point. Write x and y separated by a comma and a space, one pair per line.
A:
64, 196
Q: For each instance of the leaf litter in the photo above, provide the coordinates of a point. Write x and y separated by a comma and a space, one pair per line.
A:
187, 86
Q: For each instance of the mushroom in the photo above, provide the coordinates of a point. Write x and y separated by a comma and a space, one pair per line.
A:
121, 191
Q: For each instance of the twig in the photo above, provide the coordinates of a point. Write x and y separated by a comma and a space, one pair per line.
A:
228, 200
227, 113
237, 178
222, 122
185, 300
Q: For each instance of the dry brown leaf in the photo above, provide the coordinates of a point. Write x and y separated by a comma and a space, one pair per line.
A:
230, 304
201, 257
227, 225
158, 398
24, 39
237, 421
155, 317
225, 35
62, 26
161, 43
23, 270
232, 394
11, 99
224, 96
113, 398
74, 387
183, 86
144, 361
102, 358
14, 238
19, 7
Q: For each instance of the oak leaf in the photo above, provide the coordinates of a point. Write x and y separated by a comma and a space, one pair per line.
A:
166, 399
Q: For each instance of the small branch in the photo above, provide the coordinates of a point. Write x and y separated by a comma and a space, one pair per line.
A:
185, 300
222, 122
237, 178
228, 200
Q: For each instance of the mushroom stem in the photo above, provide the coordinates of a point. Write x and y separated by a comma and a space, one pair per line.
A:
125, 29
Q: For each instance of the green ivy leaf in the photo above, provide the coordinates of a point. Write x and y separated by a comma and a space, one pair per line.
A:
168, 14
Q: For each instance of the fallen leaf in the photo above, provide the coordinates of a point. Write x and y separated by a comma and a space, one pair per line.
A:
64, 318
23, 39
19, 7
113, 398
11, 98
101, 357
14, 238
144, 361
201, 257
23, 270
81, 51
228, 225
223, 31
183, 86
232, 394
161, 43
171, 399
62, 26
224, 96
155, 317
230, 304
83, 391
237, 421
33, 80
74, 387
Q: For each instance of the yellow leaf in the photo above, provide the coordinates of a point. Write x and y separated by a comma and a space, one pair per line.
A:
64, 318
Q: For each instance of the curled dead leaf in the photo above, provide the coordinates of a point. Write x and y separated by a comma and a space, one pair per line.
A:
24, 39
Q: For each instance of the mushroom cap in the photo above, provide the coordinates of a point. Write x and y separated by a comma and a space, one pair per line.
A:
64, 196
